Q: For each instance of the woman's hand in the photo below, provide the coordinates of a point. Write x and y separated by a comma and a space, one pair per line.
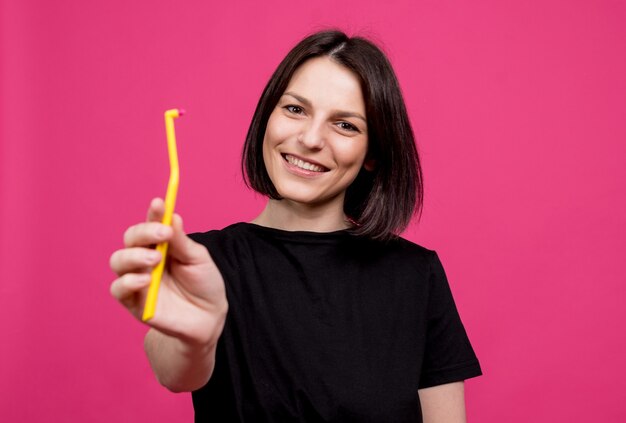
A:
191, 304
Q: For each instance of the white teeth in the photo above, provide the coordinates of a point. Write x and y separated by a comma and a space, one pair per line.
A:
303, 165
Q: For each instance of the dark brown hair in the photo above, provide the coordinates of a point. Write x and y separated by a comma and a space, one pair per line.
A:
382, 201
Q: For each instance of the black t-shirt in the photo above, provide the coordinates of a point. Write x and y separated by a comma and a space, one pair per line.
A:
329, 327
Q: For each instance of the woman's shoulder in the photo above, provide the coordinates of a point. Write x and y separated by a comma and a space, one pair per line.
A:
410, 246
240, 236
395, 246
246, 231
403, 252
215, 234
251, 232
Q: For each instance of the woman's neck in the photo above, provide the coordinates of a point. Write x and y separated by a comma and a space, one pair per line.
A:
292, 216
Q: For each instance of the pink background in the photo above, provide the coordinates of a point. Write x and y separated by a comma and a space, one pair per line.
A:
519, 109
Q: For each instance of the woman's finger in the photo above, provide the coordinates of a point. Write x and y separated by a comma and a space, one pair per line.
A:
148, 233
126, 286
156, 210
134, 259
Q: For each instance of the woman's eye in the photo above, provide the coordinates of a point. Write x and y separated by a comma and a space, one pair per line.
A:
296, 110
348, 127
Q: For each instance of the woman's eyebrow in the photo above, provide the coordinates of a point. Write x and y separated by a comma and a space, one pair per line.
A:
299, 98
344, 114
338, 113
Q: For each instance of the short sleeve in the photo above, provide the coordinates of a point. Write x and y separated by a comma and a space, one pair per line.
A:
448, 356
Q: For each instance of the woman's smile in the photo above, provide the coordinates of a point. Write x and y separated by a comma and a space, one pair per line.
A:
303, 166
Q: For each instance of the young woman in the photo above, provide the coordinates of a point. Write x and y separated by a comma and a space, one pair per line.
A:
316, 310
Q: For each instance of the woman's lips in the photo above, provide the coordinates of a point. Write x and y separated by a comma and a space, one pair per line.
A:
303, 164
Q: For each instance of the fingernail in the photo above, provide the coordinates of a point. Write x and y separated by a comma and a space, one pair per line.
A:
162, 232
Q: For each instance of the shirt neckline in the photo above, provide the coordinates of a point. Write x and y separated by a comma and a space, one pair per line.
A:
307, 236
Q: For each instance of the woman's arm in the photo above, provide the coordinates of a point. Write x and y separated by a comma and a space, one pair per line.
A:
192, 304
179, 366
443, 403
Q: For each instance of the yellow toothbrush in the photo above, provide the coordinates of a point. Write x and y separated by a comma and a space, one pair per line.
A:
170, 201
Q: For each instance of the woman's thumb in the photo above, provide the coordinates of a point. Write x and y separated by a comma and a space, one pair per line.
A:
183, 248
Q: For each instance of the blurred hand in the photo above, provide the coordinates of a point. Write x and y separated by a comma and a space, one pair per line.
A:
192, 301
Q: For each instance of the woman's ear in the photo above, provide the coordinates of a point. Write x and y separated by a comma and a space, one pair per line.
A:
369, 164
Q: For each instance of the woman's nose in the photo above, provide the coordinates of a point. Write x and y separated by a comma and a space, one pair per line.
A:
312, 135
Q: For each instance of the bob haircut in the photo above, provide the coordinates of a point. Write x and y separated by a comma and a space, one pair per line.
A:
380, 202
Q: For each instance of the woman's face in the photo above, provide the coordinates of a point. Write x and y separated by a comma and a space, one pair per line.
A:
316, 138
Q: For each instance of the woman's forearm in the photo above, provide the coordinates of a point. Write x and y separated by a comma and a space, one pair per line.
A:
443, 403
179, 366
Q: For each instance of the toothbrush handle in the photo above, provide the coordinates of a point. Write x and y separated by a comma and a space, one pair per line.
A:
170, 201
